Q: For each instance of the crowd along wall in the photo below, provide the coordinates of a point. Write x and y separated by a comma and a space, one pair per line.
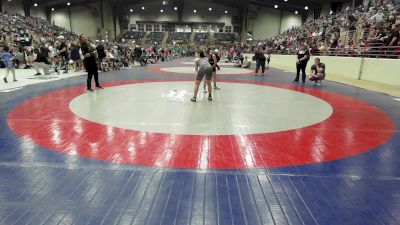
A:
383, 71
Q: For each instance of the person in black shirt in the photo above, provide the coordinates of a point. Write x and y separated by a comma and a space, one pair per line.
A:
317, 72
63, 48
101, 53
303, 55
76, 56
42, 60
89, 60
218, 58
212, 59
393, 38
260, 61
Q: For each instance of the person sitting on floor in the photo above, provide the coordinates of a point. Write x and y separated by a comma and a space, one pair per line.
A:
247, 62
317, 72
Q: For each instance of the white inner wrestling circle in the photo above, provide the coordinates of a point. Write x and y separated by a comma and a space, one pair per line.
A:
220, 63
165, 107
190, 70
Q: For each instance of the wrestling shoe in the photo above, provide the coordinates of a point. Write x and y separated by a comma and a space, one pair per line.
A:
193, 99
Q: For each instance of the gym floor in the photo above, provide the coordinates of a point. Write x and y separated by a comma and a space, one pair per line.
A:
264, 151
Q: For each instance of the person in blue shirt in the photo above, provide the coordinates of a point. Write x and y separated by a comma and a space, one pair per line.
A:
8, 59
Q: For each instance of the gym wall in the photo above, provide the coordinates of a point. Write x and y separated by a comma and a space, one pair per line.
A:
85, 19
268, 22
13, 7
152, 13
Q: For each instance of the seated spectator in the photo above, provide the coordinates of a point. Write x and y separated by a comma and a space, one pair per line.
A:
247, 62
393, 37
317, 72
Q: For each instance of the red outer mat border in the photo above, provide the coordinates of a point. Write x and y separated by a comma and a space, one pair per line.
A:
355, 127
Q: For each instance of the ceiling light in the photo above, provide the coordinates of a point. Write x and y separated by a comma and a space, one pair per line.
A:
175, 8
306, 8
164, 2
275, 6
35, 4
68, 3
226, 12
162, 10
143, 8
285, 0
52, 9
296, 12
209, 9
131, 10
195, 11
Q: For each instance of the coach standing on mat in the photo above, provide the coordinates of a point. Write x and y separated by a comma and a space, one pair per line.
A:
89, 60
303, 55
260, 61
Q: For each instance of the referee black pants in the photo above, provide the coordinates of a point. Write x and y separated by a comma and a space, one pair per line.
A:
260, 64
92, 72
301, 67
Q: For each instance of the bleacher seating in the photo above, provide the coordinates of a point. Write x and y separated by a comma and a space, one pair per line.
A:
134, 35
154, 37
202, 38
180, 37
225, 37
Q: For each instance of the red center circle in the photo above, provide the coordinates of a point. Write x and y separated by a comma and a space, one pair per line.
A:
354, 127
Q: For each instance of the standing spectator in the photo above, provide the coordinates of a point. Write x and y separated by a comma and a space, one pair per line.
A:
8, 59
89, 60
260, 61
63, 50
76, 56
303, 55
101, 55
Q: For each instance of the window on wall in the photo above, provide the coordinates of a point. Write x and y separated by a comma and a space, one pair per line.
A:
236, 29
228, 29
171, 28
163, 28
140, 27
149, 27
157, 28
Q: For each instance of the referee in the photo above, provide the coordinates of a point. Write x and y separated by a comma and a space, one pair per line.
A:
89, 60
303, 55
